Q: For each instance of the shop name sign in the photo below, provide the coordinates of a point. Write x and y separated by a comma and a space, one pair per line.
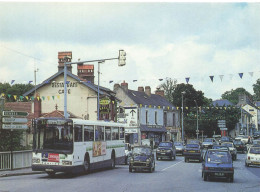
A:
15, 113
61, 85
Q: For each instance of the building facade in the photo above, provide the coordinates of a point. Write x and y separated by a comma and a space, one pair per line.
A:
148, 116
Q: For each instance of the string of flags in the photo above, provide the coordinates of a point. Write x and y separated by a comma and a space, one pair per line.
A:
212, 78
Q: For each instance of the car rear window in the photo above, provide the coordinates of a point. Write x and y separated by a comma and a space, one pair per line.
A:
255, 150
165, 144
218, 157
192, 146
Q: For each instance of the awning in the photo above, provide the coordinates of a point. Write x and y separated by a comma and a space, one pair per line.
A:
150, 128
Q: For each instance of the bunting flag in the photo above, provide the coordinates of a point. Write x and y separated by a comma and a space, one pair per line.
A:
9, 95
47, 81
160, 79
221, 77
231, 76
30, 82
53, 97
67, 82
251, 74
240, 75
211, 78
12, 82
15, 96
27, 98
111, 81
21, 98
187, 80
43, 98
58, 96
38, 98
48, 97
134, 80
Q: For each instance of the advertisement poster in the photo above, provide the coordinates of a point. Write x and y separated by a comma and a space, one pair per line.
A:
50, 157
99, 148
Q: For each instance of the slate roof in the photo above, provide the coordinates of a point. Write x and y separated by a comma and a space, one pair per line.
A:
257, 103
102, 90
222, 102
155, 100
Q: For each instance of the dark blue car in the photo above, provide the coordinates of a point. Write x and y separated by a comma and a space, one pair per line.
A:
218, 164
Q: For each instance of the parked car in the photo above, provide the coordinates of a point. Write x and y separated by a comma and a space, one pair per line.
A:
232, 149
179, 147
192, 151
256, 142
240, 146
142, 158
217, 163
208, 143
194, 142
253, 156
166, 150
242, 138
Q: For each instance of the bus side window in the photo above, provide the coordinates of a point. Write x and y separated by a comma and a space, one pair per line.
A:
108, 133
89, 133
99, 133
122, 133
115, 133
77, 133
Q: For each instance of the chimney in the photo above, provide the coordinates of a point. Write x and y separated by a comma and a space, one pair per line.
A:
124, 86
116, 86
148, 90
37, 107
159, 92
141, 89
86, 72
64, 57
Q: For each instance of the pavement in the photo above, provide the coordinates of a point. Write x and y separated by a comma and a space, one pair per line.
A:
19, 172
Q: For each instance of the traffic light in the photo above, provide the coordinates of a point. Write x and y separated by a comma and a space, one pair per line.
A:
121, 58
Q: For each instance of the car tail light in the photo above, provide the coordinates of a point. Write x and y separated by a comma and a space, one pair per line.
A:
185, 150
248, 157
206, 168
231, 169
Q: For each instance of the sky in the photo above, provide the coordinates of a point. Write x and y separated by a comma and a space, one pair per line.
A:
162, 40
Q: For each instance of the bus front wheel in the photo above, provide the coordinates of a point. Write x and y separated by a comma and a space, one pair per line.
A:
113, 160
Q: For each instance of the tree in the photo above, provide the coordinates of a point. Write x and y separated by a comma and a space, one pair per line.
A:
232, 95
256, 88
168, 88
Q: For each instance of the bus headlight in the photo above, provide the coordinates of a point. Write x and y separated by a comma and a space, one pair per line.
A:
35, 160
66, 162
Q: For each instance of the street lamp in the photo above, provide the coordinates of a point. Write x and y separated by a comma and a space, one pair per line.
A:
182, 138
121, 58
197, 131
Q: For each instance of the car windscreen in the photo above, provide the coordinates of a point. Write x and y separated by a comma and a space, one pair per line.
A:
178, 144
255, 150
220, 147
165, 145
141, 151
219, 157
227, 144
238, 142
192, 146
208, 140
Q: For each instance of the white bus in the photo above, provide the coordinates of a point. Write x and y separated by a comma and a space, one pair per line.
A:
75, 145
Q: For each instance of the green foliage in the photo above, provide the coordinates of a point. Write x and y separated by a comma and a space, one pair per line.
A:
232, 95
16, 89
256, 88
10, 140
168, 88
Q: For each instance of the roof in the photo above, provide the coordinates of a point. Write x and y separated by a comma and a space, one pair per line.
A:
257, 103
58, 113
142, 98
85, 67
102, 90
222, 102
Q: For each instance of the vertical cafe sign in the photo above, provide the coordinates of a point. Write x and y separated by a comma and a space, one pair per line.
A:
104, 106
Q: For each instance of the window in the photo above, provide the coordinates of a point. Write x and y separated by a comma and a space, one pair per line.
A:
108, 133
99, 133
155, 117
122, 133
165, 118
173, 120
115, 135
89, 133
78, 133
146, 117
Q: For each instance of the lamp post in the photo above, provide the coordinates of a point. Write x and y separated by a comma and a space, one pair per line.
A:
182, 136
197, 131
121, 62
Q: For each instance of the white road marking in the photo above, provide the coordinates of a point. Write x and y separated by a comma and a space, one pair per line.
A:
171, 166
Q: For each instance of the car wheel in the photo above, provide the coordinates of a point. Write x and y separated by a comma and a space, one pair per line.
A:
174, 157
130, 169
205, 177
51, 174
246, 164
151, 170
157, 158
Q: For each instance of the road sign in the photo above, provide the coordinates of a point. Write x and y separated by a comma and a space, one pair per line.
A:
14, 120
15, 113
14, 126
223, 129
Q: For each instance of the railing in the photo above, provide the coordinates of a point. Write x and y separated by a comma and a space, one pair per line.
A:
15, 160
